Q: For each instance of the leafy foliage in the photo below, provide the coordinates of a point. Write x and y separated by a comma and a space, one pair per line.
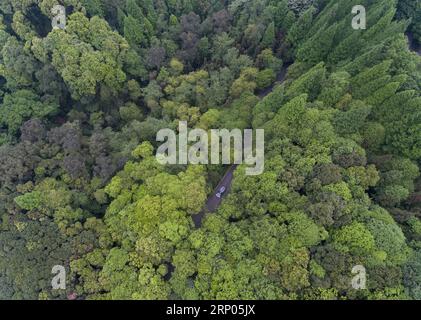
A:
80, 185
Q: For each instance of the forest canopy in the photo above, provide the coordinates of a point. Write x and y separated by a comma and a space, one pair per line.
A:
80, 186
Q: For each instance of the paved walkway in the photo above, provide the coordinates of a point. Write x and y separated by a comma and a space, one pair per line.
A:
213, 201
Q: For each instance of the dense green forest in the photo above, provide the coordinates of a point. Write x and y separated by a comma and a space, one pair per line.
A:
80, 186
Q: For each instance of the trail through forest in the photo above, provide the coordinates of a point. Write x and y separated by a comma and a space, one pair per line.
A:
213, 201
